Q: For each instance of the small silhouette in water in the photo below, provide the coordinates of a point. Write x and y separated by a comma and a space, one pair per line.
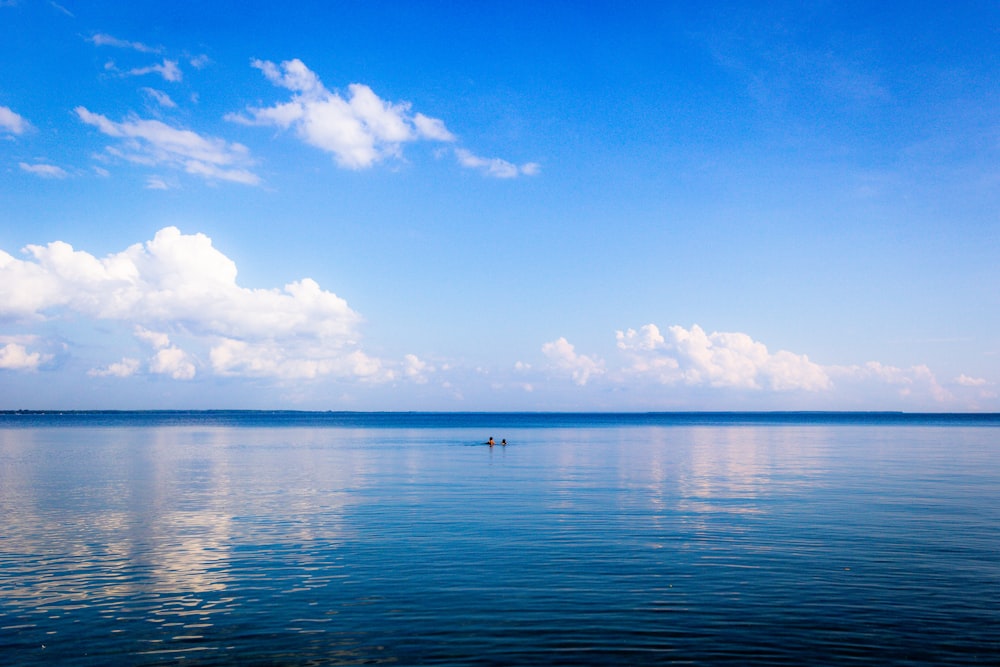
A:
503, 442
490, 441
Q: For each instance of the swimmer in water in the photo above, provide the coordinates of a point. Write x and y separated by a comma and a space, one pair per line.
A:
504, 442
490, 441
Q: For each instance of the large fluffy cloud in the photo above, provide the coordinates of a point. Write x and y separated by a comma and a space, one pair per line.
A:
154, 143
181, 284
717, 360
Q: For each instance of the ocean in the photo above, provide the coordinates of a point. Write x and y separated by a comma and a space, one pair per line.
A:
274, 538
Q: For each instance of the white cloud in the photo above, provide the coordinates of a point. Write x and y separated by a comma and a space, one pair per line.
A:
495, 166
563, 356
107, 40
717, 360
156, 183
156, 339
169, 359
359, 128
12, 122
912, 382
160, 97
416, 369
291, 359
966, 381
152, 142
121, 369
15, 357
44, 170
168, 69
174, 362
62, 9
181, 284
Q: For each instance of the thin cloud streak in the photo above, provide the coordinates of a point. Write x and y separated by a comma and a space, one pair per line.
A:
153, 142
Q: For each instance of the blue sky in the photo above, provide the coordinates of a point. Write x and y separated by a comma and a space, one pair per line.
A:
505, 206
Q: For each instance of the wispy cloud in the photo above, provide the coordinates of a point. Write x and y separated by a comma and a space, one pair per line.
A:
160, 97
62, 9
44, 170
168, 69
966, 381
495, 166
101, 39
916, 380
153, 142
119, 369
12, 123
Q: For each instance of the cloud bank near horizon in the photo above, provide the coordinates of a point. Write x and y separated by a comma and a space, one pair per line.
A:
178, 297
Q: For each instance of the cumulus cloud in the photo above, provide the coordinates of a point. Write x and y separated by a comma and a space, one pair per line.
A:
735, 360
181, 285
564, 357
495, 166
153, 142
11, 122
15, 357
174, 362
44, 170
359, 128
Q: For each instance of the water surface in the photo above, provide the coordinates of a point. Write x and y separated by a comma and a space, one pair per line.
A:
346, 538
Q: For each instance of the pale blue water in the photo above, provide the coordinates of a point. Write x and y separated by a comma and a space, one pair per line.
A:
302, 538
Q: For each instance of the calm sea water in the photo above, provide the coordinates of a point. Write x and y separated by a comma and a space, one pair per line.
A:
301, 538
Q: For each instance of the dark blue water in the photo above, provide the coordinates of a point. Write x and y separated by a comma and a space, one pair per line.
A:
349, 538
